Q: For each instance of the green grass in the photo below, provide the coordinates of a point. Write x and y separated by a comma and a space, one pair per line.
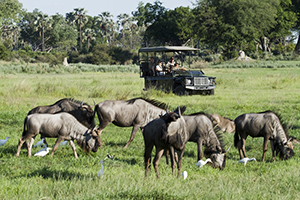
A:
239, 90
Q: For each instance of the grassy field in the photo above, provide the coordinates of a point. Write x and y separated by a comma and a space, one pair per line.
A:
239, 90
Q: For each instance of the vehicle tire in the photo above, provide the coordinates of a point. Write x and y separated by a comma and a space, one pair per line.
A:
179, 90
212, 92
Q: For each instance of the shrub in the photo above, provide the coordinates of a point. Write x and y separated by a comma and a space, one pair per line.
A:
3, 52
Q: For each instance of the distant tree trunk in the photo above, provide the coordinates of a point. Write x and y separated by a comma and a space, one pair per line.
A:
298, 43
43, 40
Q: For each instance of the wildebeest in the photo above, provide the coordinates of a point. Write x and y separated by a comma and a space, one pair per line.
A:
267, 125
201, 131
135, 112
80, 110
165, 133
62, 126
225, 124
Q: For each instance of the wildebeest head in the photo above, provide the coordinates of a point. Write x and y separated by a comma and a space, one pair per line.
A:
87, 115
285, 150
90, 142
218, 158
174, 129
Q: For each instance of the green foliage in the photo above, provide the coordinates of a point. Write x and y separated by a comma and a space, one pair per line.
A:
3, 52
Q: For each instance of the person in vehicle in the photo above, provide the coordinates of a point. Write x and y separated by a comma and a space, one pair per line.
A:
159, 69
177, 67
152, 66
170, 64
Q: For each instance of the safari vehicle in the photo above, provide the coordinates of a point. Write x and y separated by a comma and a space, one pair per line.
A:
180, 82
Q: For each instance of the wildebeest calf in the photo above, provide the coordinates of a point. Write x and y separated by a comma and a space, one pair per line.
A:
225, 124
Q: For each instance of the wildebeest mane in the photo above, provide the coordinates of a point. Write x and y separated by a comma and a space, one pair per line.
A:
281, 121
72, 100
197, 113
151, 101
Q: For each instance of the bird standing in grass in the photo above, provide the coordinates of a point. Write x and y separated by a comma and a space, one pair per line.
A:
184, 174
101, 172
109, 156
201, 163
245, 160
2, 142
44, 151
39, 143
63, 143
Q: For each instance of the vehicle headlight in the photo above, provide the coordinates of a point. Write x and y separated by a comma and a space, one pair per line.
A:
188, 82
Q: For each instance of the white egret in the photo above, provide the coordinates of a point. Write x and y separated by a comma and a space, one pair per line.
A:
2, 142
44, 151
245, 160
201, 163
184, 174
101, 172
39, 143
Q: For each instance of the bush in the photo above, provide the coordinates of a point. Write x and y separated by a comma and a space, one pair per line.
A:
3, 52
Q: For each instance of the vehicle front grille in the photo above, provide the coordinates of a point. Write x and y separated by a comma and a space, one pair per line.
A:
201, 81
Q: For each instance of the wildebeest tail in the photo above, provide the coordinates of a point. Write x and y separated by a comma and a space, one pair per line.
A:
24, 128
236, 138
95, 109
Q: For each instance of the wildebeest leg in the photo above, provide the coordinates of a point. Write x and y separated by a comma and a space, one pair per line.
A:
58, 141
45, 142
265, 148
99, 131
147, 158
167, 156
273, 149
29, 146
133, 132
243, 141
180, 154
199, 145
172, 155
21, 141
73, 147
159, 153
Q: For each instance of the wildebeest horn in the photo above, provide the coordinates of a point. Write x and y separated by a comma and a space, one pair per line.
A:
179, 111
167, 107
94, 103
228, 148
290, 139
81, 103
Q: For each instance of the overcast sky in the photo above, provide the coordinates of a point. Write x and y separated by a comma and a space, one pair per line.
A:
94, 7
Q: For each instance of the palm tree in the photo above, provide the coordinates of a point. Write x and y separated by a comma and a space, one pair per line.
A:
89, 34
79, 17
105, 25
42, 22
123, 20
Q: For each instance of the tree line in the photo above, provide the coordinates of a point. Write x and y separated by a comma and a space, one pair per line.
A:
214, 26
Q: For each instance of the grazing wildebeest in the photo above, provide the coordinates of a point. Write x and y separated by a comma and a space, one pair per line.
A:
165, 133
62, 126
267, 125
135, 112
201, 131
80, 110
225, 124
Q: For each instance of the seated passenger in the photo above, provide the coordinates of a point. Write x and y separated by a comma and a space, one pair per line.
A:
170, 64
152, 66
177, 67
159, 69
